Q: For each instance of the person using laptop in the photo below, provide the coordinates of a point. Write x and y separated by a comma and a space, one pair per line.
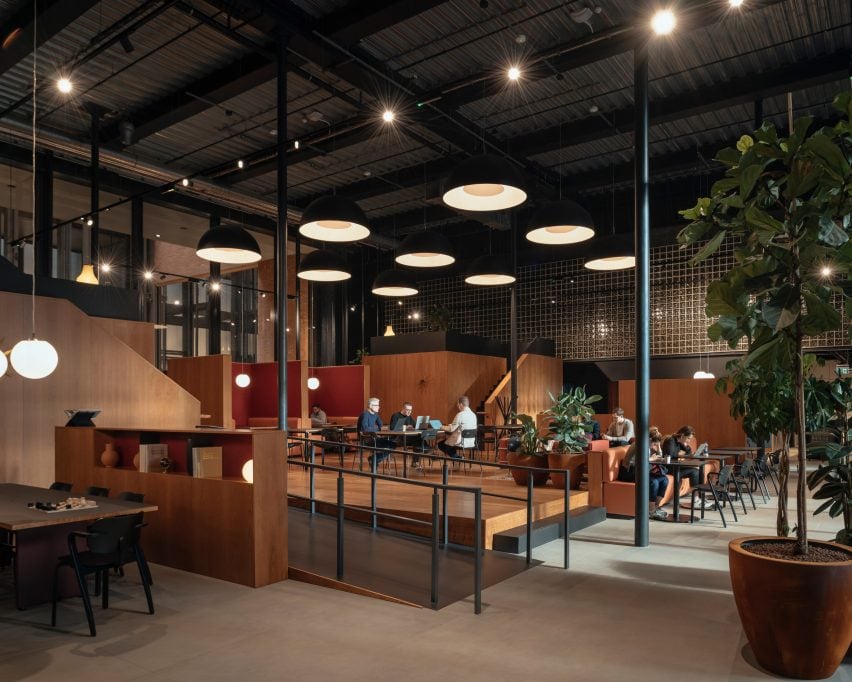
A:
318, 416
465, 420
620, 429
678, 446
403, 421
658, 482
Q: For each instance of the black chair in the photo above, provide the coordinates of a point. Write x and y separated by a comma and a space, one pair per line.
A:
469, 452
134, 497
59, 485
487, 439
95, 491
428, 442
718, 486
332, 442
108, 542
748, 476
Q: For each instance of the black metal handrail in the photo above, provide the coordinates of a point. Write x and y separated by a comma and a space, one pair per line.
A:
444, 486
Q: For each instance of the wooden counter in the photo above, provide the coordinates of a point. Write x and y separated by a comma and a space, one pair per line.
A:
223, 528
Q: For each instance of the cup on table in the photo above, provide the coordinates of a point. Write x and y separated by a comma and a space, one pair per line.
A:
405, 427
668, 459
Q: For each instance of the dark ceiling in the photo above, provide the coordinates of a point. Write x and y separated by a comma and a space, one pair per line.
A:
196, 79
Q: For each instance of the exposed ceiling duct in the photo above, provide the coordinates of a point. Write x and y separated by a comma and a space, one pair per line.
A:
130, 167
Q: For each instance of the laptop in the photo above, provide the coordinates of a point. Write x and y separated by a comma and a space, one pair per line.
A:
421, 423
435, 423
701, 451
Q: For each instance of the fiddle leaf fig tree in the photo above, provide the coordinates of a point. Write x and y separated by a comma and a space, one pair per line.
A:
785, 203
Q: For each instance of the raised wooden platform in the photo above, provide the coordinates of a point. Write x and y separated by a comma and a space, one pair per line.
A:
498, 514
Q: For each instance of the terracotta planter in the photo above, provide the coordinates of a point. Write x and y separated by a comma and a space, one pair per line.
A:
522, 477
573, 461
797, 615
109, 457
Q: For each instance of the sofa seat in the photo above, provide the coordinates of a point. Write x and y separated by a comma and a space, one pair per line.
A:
619, 498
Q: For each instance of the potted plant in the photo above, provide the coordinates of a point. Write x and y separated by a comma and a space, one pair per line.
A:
570, 421
832, 481
786, 204
528, 452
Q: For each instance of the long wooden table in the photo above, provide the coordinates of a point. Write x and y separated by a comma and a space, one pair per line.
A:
40, 538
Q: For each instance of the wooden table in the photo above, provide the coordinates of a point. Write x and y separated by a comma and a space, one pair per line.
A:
41, 538
407, 435
678, 465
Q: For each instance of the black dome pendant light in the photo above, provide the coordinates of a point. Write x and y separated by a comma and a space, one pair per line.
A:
229, 244
396, 283
323, 266
334, 219
485, 183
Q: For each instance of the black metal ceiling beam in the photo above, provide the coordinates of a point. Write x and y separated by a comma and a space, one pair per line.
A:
54, 16
825, 69
742, 90
692, 14
349, 24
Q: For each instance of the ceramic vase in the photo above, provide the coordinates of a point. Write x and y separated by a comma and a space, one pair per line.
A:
109, 457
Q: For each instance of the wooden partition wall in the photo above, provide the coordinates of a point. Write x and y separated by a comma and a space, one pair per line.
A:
432, 381
208, 378
537, 375
676, 402
95, 370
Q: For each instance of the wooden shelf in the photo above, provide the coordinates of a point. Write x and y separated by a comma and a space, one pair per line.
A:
224, 528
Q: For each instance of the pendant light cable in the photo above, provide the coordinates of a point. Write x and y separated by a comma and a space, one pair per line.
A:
35, 98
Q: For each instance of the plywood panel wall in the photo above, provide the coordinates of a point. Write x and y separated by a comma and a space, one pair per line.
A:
208, 378
675, 402
432, 381
538, 376
95, 370
140, 336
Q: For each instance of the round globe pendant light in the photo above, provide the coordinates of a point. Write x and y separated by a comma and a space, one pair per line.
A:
489, 271
485, 183
230, 244
242, 380
425, 250
394, 283
612, 253
334, 219
323, 266
34, 359
560, 222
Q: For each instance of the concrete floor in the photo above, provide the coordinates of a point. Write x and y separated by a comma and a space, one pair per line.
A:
660, 613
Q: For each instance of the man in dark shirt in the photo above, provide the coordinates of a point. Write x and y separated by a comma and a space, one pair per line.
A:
369, 422
677, 446
404, 419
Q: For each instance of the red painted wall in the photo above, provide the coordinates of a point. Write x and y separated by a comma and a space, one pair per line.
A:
260, 397
341, 389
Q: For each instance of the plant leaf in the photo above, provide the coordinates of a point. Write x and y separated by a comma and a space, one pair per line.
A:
710, 248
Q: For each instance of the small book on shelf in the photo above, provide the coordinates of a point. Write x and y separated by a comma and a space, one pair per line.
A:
207, 462
150, 455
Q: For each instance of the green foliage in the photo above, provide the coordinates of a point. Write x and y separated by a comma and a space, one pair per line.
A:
530, 442
571, 414
439, 318
360, 354
785, 203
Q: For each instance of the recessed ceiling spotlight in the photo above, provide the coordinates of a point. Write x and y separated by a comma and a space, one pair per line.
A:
663, 22
241, 164
514, 73
736, 3
64, 85
387, 116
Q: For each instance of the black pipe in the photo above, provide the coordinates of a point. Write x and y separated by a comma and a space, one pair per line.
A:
298, 320
340, 521
281, 233
95, 188
137, 242
513, 325
477, 549
643, 290
436, 533
214, 302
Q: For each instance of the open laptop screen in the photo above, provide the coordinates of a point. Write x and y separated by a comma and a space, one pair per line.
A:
422, 423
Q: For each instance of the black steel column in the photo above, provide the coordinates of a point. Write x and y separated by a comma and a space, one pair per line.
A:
95, 190
188, 304
137, 243
214, 302
643, 289
758, 113
44, 213
513, 324
281, 232
298, 320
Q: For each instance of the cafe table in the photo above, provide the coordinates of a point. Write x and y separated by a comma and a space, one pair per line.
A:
675, 467
41, 537
405, 436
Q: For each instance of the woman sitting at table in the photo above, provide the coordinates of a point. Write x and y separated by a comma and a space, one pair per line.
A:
658, 482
